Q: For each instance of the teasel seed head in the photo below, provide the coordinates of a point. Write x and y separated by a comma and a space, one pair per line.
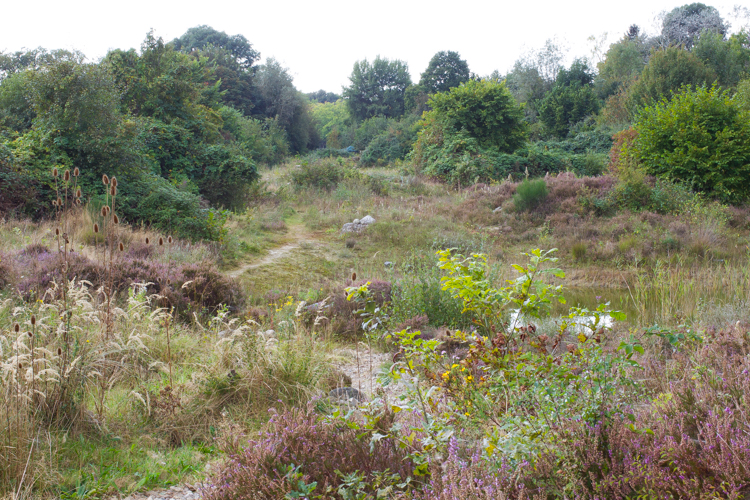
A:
148, 242
354, 276
104, 211
59, 351
76, 172
113, 190
96, 227
16, 328
114, 181
31, 335
105, 180
66, 175
59, 202
54, 203
78, 192
55, 172
116, 219
57, 231
33, 320
161, 241
169, 239
122, 247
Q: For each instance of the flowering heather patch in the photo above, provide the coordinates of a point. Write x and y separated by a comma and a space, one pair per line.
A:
188, 288
322, 451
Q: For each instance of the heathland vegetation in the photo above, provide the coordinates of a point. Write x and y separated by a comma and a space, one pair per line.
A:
552, 300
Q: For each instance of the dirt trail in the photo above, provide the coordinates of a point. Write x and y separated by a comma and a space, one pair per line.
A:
298, 233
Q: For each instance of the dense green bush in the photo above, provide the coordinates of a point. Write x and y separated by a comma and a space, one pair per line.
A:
393, 143
530, 194
485, 110
564, 106
700, 137
325, 174
153, 200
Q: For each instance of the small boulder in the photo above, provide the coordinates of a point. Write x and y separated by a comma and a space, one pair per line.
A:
346, 395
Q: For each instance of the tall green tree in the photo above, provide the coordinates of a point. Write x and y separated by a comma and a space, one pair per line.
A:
571, 99
200, 37
666, 72
730, 59
280, 100
445, 70
623, 62
377, 89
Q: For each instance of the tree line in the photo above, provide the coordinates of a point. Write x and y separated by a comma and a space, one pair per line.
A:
186, 123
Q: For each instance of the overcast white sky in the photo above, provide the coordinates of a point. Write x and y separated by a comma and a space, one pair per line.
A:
319, 41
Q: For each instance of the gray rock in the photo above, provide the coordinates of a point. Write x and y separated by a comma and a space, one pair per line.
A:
497, 210
388, 264
346, 395
358, 225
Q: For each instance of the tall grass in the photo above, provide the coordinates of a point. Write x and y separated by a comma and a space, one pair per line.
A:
672, 293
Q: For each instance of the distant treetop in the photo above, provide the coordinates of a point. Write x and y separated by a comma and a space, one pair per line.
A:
445, 71
199, 37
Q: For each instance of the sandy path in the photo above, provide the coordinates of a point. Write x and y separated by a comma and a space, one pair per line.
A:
298, 233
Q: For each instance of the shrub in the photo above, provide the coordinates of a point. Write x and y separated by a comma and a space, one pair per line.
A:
298, 451
530, 194
485, 110
392, 144
323, 174
702, 138
188, 288
578, 251
154, 200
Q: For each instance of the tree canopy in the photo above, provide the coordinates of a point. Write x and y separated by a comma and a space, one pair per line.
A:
377, 89
445, 70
